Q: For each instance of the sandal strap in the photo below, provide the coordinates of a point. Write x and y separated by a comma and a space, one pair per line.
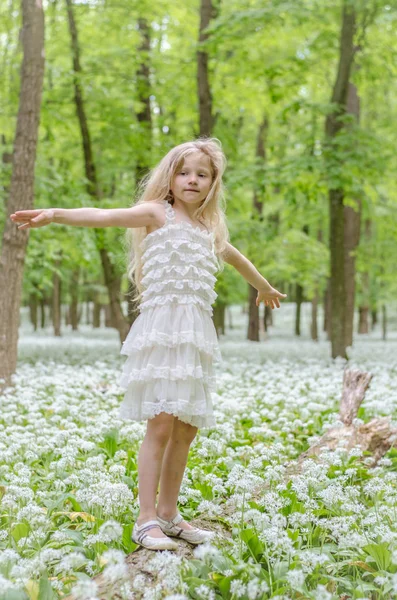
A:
152, 523
141, 531
177, 519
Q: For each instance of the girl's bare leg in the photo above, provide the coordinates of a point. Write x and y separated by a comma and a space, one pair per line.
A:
173, 468
150, 459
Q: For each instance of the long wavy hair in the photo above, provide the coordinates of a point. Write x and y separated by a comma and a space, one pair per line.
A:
155, 186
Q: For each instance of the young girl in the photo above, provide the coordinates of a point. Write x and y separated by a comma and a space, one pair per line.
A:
179, 238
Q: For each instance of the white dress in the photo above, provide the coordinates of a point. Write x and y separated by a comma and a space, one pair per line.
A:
172, 345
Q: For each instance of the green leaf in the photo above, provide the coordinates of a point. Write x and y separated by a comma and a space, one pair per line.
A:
380, 553
19, 531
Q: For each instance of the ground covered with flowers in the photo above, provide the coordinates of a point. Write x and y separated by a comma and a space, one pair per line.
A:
68, 475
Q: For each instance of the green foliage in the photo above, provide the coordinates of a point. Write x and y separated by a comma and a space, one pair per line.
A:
266, 59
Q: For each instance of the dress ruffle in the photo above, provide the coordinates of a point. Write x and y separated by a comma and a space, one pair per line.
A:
179, 272
185, 324
172, 345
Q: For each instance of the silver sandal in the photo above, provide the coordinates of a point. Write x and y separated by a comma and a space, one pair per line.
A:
194, 536
139, 536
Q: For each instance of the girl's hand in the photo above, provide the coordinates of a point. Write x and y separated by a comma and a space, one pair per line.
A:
31, 219
270, 297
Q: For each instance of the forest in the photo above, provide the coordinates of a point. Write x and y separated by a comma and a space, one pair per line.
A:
302, 96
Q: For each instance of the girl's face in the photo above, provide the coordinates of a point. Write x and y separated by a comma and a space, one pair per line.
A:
192, 182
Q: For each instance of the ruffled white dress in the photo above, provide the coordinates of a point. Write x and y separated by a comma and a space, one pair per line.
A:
172, 345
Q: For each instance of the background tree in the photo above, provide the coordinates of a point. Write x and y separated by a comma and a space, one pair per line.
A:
22, 183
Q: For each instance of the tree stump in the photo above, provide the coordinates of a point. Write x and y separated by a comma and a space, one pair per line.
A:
377, 436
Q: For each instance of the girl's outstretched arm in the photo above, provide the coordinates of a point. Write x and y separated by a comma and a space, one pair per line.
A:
266, 293
147, 213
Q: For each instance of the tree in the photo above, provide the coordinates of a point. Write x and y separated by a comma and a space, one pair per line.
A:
112, 279
22, 182
334, 124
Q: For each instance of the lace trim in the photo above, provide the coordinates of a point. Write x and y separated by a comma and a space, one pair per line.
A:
161, 259
197, 272
177, 298
145, 340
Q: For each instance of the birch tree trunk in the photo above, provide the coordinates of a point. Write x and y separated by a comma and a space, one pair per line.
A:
21, 195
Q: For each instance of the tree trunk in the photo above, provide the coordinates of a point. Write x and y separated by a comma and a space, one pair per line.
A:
56, 299
336, 195
352, 222
253, 315
96, 316
33, 310
74, 299
22, 183
144, 118
267, 318
108, 316
299, 299
87, 312
112, 280
374, 317
257, 209
327, 311
315, 303
203, 85
42, 313
219, 317
362, 319
384, 322
363, 309
313, 324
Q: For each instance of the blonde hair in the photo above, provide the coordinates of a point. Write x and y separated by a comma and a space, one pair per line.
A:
155, 187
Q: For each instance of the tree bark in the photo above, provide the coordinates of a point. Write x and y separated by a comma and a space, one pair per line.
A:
384, 322
257, 210
74, 299
112, 279
336, 195
315, 303
144, 117
203, 85
96, 316
42, 313
374, 317
352, 225
253, 315
314, 313
327, 310
363, 309
22, 183
33, 310
56, 299
267, 318
299, 298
